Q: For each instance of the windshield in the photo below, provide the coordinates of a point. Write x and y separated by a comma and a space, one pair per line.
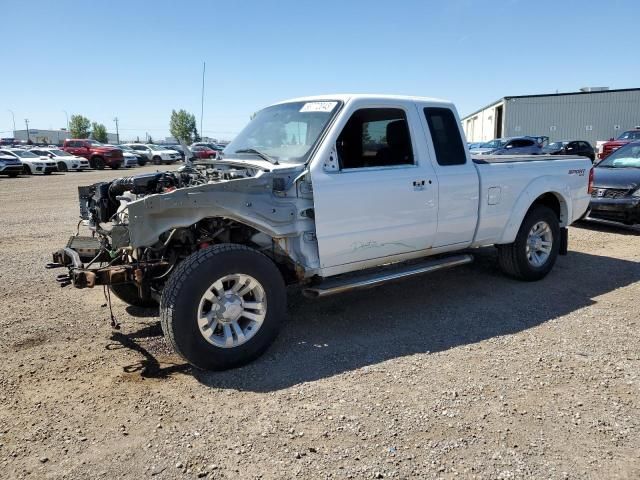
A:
630, 135
624, 157
554, 146
94, 143
155, 147
494, 144
286, 132
24, 154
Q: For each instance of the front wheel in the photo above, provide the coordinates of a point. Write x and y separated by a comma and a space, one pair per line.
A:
157, 160
223, 306
26, 170
535, 250
62, 167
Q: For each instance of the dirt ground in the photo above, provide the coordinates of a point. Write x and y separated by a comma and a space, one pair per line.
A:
463, 373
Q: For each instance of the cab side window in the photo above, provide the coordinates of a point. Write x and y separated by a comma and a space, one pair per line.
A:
445, 134
375, 137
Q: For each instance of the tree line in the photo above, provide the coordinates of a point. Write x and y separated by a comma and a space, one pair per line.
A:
182, 126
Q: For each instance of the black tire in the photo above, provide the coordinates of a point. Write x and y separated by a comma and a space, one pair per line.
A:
513, 257
13, 175
62, 167
48, 172
115, 166
157, 160
186, 286
142, 163
97, 163
26, 169
128, 293
212, 157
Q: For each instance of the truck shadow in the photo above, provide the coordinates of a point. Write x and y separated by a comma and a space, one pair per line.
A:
428, 314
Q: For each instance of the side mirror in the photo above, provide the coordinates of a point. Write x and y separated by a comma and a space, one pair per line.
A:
50, 155
611, 139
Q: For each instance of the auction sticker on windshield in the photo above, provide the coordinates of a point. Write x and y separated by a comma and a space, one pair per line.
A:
318, 106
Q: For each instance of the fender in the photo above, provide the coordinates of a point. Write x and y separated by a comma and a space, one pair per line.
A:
535, 189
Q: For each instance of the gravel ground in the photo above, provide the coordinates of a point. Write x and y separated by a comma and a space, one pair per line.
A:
463, 373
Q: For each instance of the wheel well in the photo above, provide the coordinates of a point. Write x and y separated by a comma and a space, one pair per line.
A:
555, 203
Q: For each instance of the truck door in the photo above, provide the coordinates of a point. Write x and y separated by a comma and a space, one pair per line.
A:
381, 200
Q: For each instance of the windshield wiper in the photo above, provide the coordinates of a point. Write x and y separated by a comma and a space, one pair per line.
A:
262, 155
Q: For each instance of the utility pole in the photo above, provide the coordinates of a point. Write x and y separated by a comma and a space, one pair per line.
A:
67, 115
13, 117
26, 122
204, 66
117, 131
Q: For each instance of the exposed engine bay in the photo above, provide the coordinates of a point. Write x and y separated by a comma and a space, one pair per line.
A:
142, 226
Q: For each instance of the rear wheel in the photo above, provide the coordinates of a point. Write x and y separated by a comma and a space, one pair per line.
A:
115, 166
128, 293
97, 163
535, 250
62, 167
142, 162
223, 306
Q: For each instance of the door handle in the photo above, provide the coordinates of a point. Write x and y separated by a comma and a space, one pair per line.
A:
418, 184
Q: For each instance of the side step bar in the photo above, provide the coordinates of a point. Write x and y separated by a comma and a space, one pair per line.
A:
369, 280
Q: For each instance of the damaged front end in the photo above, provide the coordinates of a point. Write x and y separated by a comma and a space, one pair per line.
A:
142, 227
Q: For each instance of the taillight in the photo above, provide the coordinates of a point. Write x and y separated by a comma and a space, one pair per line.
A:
590, 187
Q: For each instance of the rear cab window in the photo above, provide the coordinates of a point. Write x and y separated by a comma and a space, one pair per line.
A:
446, 137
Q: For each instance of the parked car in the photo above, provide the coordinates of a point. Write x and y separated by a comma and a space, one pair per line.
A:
31, 163
573, 147
616, 186
99, 155
510, 146
612, 145
157, 154
141, 149
324, 212
129, 159
64, 160
178, 149
141, 157
200, 151
10, 165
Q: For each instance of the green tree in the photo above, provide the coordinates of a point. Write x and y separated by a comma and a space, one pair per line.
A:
100, 133
79, 126
183, 126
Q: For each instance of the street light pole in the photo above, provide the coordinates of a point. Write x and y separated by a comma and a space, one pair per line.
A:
26, 122
67, 115
204, 66
13, 117
117, 132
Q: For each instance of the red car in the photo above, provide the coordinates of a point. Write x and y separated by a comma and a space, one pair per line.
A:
200, 151
98, 154
612, 145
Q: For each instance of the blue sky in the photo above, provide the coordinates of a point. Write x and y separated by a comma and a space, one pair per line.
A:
138, 60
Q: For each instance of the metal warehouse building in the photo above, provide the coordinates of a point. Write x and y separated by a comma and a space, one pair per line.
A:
592, 114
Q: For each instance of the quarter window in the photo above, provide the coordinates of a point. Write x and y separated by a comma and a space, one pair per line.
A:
375, 137
447, 141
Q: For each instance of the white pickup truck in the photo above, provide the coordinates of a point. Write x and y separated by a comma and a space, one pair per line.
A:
328, 193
